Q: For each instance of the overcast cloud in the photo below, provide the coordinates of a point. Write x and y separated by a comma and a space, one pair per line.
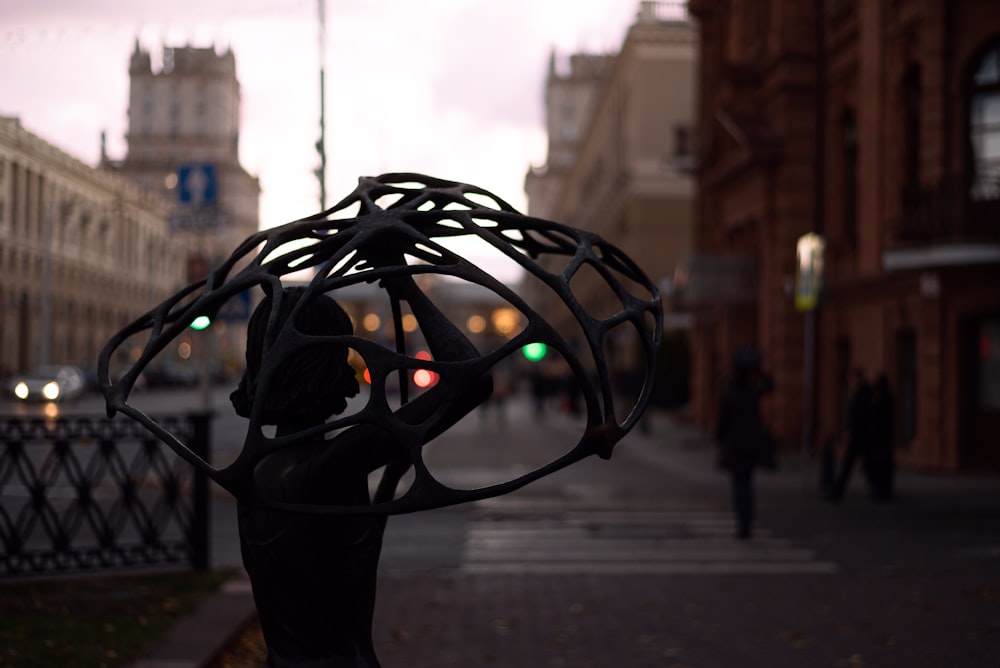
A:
451, 88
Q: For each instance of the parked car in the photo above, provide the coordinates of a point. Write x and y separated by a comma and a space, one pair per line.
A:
48, 383
169, 376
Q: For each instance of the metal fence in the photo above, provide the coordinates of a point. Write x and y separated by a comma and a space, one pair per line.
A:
89, 493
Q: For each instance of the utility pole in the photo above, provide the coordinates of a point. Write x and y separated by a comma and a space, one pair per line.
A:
321, 143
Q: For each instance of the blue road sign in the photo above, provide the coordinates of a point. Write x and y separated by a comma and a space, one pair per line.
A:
237, 309
197, 185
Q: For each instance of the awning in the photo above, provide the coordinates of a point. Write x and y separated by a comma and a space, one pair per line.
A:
702, 280
940, 255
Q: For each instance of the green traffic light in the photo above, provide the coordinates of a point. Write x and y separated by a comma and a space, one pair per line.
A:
534, 352
201, 322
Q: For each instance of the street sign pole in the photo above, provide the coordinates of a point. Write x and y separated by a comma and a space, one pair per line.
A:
808, 283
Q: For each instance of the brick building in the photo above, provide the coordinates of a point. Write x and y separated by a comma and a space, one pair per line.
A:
877, 126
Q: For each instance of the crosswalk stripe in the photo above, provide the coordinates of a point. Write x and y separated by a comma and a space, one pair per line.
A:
660, 568
544, 540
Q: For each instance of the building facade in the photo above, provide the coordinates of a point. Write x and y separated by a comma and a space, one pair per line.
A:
876, 126
84, 250
184, 119
183, 144
73, 239
620, 130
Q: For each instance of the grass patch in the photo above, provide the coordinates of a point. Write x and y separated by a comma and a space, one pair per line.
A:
94, 622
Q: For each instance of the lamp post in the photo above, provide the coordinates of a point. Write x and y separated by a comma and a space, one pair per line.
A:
808, 282
321, 142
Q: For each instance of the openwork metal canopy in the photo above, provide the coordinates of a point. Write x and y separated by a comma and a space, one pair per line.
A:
411, 215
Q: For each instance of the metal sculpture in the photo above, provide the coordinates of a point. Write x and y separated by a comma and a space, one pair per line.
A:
395, 235
423, 209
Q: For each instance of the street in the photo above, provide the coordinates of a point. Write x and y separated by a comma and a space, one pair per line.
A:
632, 561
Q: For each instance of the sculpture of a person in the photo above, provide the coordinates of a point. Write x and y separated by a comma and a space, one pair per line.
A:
310, 531
314, 575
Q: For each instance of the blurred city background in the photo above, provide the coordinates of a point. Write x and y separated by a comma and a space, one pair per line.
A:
835, 208
819, 181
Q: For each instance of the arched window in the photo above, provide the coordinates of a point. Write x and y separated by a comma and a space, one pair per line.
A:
984, 127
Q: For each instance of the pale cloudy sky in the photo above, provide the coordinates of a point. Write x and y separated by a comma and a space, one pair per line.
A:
451, 88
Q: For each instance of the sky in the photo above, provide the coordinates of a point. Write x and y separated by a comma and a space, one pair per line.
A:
449, 88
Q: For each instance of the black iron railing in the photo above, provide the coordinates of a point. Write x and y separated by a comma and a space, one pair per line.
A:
88, 493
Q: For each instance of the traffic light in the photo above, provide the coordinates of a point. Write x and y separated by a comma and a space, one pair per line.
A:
534, 352
200, 323
424, 378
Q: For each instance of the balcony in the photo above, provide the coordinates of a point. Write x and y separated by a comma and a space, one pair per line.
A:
943, 213
940, 226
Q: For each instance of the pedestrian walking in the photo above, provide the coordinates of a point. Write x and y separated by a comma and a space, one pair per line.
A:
859, 434
741, 436
881, 456
503, 388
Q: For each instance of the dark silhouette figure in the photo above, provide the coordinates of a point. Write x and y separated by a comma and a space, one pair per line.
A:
310, 531
859, 433
503, 388
314, 575
881, 463
741, 435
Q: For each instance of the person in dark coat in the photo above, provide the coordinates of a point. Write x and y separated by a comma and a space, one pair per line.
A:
741, 435
881, 459
859, 433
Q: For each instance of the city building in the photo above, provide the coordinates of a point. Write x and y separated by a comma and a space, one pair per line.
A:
85, 250
620, 132
73, 240
875, 127
183, 143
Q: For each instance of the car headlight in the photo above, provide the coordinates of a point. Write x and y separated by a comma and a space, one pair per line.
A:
21, 390
51, 391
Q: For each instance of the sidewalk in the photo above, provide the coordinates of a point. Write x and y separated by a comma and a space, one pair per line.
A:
687, 451
197, 639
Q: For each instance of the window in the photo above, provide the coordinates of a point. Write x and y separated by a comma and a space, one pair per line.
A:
911, 129
747, 29
682, 141
984, 127
849, 161
568, 130
989, 365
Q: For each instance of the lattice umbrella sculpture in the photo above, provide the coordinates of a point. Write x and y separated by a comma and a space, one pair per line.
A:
414, 216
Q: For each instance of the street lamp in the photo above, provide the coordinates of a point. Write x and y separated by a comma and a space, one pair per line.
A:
808, 283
